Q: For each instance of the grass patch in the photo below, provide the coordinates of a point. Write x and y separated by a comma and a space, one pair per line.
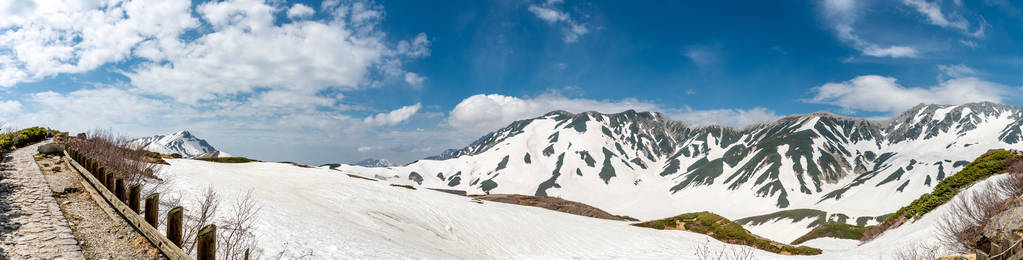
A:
722, 229
833, 229
228, 159
988, 164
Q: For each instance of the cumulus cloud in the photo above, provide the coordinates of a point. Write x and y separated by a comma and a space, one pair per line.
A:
842, 15
9, 108
46, 38
485, 113
299, 11
550, 13
394, 117
414, 79
872, 93
245, 48
243, 70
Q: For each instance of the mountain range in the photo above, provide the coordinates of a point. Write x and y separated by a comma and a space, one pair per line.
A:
181, 142
648, 166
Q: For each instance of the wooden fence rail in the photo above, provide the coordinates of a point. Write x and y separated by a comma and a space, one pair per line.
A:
103, 181
1005, 250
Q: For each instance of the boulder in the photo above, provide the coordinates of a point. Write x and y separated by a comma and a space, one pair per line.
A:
51, 148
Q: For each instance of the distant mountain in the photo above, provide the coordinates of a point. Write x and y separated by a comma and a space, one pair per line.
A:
648, 166
365, 163
214, 154
182, 142
371, 162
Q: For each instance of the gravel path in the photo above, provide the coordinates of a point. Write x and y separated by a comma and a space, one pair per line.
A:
31, 223
101, 235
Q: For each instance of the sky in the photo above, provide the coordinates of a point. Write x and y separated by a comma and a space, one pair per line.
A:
339, 81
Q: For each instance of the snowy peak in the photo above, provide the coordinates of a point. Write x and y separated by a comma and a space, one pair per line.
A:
372, 162
817, 161
181, 142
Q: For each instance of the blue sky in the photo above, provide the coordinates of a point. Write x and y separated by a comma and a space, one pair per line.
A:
338, 81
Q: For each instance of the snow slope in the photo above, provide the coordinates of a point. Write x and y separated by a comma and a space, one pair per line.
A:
181, 142
626, 163
335, 216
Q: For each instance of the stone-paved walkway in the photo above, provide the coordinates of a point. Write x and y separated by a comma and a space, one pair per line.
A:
31, 224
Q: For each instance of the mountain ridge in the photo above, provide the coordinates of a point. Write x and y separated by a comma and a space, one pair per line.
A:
180, 142
621, 162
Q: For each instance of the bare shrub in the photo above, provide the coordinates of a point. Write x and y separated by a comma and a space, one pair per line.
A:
236, 234
705, 252
208, 204
962, 228
115, 154
919, 251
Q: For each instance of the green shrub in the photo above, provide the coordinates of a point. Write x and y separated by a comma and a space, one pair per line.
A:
988, 164
227, 159
725, 230
833, 229
23, 137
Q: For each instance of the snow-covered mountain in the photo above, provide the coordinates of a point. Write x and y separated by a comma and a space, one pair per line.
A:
371, 162
181, 142
648, 166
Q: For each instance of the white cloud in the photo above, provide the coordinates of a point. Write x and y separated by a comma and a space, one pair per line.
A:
727, 117
484, 113
248, 51
702, 54
245, 49
299, 11
552, 15
549, 15
957, 70
414, 79
574, 31
93, 108
47, 38
393, 117
8, 109
417, 48
843, 15
363, 149
932, 11
874, 93
890, 51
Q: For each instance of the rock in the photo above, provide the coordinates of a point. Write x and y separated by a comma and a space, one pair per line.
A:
51, 148
1006, 223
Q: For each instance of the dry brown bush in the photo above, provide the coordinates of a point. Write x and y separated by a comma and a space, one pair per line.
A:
114, 153
236, 234
208, 204
962, 228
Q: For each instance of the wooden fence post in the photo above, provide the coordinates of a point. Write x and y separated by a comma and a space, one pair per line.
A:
101, 176
110, 181
174, 225
153, 209
119, 190
207, 243
133, 197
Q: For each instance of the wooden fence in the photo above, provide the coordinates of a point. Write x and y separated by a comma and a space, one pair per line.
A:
125, 200
1003, 250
